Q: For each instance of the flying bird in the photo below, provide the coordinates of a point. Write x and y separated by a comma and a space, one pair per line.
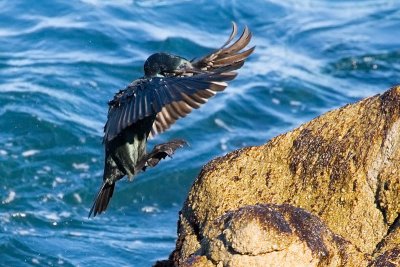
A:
171, 87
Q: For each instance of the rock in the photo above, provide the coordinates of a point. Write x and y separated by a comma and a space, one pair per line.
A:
388, 251
276, 235
342, 167
390, 258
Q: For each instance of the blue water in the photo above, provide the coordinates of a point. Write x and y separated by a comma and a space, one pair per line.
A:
61, 61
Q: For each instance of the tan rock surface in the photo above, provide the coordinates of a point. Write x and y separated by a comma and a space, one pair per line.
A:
276, 235
387, 252
343, 166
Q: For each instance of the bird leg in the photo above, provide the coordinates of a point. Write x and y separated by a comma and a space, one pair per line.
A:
158, 153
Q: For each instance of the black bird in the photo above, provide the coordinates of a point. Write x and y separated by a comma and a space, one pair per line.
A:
171, 87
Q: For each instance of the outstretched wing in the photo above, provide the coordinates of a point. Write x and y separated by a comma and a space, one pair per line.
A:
172, 97
226, 59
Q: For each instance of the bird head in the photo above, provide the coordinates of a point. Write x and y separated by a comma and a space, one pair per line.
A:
163, 64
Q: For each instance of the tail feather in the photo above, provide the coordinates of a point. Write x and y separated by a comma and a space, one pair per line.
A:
102, 199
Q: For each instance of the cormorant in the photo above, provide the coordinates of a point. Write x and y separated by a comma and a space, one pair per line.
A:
171, 87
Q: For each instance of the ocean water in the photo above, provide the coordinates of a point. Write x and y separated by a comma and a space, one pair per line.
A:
61, 61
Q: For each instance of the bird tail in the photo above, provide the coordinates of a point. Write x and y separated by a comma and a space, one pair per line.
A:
102, 199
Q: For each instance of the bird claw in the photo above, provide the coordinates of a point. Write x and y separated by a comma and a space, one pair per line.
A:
160, 152
152, 162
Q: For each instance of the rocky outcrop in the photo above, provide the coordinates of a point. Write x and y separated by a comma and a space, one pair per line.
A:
337, 176
274, 235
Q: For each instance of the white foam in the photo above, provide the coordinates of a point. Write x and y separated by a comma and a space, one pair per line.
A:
77, 197
51, 216
3, 152
30, 153
80, 166
222, 124
65, 214
60, 180
23, 232
47, 168
93, 84
295, 103
10, 197
150, 209
19, 214
75, 233
276, 101
223, 142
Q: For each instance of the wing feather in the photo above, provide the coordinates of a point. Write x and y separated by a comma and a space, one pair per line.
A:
123, 117
227, 54
136, 107
148, 103
142, 105
157, 101
130, 112
201, 100
173, 115
190, 101
233, 58
173, 97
